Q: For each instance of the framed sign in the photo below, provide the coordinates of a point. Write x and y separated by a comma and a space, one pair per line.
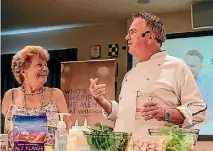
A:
112, 50
95, 51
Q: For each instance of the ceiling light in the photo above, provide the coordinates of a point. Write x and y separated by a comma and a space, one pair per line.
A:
143, 1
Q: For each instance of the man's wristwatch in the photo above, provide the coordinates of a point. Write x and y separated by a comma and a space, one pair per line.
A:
167, 115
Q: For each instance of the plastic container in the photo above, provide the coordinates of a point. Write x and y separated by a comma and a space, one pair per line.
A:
85, 128
154, 143
76, 140
61, 134
48, 148
4, 142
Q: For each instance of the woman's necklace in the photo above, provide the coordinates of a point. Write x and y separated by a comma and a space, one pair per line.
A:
32, 93
38, 92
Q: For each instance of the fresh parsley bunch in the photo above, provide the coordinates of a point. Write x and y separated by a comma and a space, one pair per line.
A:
104, 139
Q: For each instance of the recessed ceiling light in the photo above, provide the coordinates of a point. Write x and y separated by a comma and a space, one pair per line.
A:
143, 1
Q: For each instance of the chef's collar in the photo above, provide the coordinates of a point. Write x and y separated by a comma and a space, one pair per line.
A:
158, 54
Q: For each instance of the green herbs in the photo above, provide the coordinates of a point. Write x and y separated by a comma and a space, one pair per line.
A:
104, 139
177, 139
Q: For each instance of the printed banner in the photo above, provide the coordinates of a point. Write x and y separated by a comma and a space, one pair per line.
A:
75, 82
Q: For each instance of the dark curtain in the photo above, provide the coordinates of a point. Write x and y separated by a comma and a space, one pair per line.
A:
56, 57
7, 79
54, 64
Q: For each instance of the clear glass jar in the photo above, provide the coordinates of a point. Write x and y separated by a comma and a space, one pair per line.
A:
184, 131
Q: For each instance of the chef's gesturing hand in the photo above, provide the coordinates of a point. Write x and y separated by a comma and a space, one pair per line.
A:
97, 90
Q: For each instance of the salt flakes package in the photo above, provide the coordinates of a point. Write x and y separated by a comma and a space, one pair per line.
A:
29, 132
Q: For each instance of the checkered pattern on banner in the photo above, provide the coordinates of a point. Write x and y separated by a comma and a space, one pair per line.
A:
113, 50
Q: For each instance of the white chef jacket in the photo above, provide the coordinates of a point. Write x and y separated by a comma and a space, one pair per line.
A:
164, 79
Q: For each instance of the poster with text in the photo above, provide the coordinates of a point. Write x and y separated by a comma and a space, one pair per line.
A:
75, 82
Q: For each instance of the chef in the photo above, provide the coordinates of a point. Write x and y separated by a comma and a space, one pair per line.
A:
159, 90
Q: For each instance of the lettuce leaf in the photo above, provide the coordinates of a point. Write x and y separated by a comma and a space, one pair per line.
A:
176, 140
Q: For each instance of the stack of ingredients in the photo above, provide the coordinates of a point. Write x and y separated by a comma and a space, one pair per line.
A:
148, 144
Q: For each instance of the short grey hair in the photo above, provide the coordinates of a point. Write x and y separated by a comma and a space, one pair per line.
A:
154, 24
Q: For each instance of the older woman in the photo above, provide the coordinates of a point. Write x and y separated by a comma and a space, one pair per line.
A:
30, 69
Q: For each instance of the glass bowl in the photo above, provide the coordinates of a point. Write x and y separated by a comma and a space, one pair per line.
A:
177, 138
114, 141
189, 132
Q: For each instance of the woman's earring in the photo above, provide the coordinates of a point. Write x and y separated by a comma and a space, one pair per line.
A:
26, 76
148, 42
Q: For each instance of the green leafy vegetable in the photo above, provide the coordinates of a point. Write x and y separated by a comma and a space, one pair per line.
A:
177, 140
104, 139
